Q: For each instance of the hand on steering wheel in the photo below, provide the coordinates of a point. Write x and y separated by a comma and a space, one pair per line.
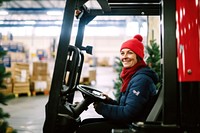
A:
91, 92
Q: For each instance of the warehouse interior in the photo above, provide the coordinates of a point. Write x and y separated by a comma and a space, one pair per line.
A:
30, 32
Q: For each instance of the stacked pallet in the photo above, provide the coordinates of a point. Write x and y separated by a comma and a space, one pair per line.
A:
20, 76
8, 82
40, 80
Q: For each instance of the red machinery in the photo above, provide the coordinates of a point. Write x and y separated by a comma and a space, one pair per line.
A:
188, 53
188, 40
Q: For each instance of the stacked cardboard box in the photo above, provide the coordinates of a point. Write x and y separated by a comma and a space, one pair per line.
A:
92, 74
40, 79
8, 82
15, 52
20, 76
17, 56
103, 61
88, 75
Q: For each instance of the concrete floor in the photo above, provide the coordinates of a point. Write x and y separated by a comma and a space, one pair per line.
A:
27, 114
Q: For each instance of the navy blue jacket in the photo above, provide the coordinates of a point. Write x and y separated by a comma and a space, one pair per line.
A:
132, 102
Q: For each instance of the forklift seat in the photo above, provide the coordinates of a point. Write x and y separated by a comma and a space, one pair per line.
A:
157, 106
152, 113
153, 108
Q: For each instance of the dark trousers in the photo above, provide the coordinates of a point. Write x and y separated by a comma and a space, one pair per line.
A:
99, 125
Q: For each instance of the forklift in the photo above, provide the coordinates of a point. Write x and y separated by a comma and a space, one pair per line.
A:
177, 108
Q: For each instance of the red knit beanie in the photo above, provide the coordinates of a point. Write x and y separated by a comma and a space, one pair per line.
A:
135, 45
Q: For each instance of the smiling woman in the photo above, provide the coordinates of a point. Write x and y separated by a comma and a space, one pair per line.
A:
128, 58
138, 88
132, 51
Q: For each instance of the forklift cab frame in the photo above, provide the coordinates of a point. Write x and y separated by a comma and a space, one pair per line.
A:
181, 96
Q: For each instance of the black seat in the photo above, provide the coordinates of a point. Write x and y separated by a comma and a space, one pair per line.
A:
157, 103
152, 112
148, 112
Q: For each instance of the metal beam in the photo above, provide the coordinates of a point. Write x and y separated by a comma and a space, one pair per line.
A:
59, 69
170, 84
134, 1
104, 5
30, 10
126, 12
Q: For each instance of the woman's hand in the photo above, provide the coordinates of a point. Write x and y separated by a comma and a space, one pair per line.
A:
108, 99
97, 106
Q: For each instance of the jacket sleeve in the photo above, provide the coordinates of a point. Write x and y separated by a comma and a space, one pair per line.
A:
111, 101
137, 97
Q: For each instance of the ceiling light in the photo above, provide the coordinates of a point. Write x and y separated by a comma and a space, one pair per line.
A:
3, 13
30, 22
54, 13
58, 22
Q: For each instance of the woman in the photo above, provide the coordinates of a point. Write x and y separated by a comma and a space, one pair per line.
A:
138, 87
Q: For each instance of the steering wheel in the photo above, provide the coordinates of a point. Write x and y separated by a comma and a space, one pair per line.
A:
91, 92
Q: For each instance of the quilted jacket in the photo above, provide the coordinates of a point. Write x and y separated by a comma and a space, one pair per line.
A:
132, 102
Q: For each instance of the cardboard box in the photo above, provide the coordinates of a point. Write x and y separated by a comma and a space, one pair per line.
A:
103, 61
39, 86
17, 56
40, 78
92, 75
21, 87
20, 72
40, 68
87, 79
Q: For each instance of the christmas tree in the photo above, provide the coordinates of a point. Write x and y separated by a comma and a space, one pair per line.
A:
153, 60
118, 81
4, 126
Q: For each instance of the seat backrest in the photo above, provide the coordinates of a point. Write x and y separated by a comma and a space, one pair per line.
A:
149, 106
157, 105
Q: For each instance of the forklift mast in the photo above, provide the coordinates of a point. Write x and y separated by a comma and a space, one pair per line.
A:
180, 55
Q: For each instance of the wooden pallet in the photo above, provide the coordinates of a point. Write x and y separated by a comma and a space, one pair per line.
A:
44, 92
21, 88
22, 93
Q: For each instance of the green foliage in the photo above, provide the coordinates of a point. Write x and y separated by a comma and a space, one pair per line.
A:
153, 60
4, 98
2, 53
1, 1
3, 75
118, 81
3, 124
